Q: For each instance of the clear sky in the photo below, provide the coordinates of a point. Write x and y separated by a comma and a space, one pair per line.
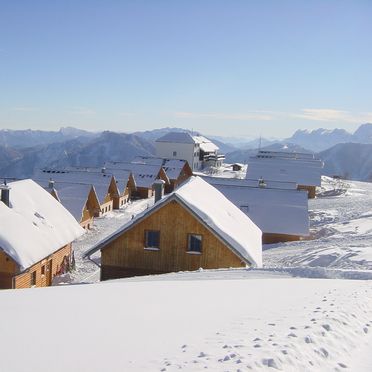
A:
234, 68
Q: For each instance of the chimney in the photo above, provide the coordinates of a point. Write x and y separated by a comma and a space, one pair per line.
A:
159, 189
51, 184
5, 191
103, 169
261, 183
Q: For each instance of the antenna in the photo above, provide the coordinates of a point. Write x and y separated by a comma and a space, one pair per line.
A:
259, 143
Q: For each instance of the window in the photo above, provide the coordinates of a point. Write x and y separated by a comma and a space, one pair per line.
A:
174, 153
194, 243
33, 278
43, 270
152, 239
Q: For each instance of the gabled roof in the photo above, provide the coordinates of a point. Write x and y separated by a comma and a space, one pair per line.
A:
99, 180
36, 224
144, 174
172, 167
177, 137
273, 210
303, 172
213, 210
73, 196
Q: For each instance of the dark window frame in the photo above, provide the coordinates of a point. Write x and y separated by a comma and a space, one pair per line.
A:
191, 248
152, 245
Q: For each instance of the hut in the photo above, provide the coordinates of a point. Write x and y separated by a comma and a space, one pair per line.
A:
177, 171
35, 237
144, 176
193, 227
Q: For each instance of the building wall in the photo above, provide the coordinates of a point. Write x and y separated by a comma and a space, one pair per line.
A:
185, 151
126, 256
52, 265
270, 238
7, 269
311, 190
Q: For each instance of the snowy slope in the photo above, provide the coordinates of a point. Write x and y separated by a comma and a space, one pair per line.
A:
260, 322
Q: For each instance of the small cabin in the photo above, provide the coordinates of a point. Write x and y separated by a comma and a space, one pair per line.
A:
278, 208
144, 176
177, 171
122, 187
36, 236
84, 195
193, 227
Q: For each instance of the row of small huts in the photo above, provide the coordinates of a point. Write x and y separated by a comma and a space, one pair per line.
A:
208, 222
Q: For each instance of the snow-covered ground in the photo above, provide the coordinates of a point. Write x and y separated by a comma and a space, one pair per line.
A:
238, 320
341, 231
293, 315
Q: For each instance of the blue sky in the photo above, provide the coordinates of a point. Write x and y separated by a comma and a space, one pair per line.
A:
234, 68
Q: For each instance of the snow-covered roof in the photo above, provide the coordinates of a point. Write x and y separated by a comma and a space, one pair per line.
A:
286, 154
99, 180
177, 137
36, 224
275, 211
250, 182
144, 174
215, 211
205, 144
172, 167
302, 172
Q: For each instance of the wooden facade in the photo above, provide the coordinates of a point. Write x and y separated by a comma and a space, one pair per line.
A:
144, 192
184, 174
271, 238
40, 274
127, 255
120, 198
311, 190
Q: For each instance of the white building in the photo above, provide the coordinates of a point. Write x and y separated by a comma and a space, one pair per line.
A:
198, 151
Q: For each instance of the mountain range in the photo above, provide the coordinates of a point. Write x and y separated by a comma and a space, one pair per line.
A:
22, 152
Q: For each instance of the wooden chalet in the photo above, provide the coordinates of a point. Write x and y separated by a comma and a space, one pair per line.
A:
144, 176
35, 236
193, 227
178, 171
278, 208
84, 194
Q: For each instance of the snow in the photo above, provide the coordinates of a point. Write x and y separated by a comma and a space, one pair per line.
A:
36, 225
169, 324
340, 229
144, 174
214, 210
300, 313
205, 144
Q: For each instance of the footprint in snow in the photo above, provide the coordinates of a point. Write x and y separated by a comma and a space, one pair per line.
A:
327, 327
292, 328
292, 335
202, 355
342, 365
257, 346
257, 339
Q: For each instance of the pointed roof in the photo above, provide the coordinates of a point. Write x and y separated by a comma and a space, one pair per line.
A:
214, 211
177, 137
36, 225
